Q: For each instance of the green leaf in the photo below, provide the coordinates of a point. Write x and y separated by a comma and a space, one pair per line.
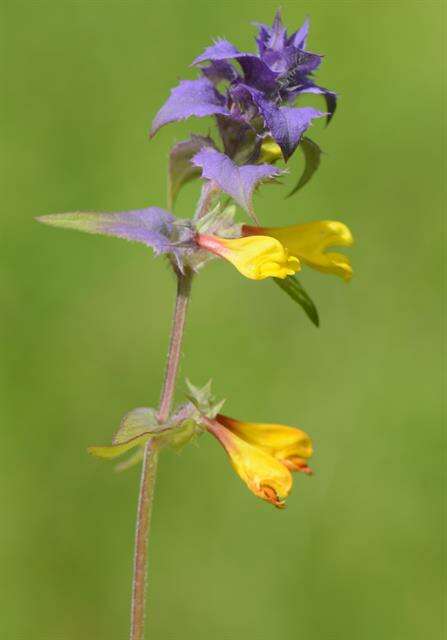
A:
136, 422
312, 157
115, 450
181, 170
292, 286
136, 428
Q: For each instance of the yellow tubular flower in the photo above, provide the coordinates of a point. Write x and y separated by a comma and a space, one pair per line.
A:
309, 241
288, 445
264, 475
256, 257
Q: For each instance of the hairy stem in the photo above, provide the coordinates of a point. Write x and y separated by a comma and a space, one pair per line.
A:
149, 468
175, 344
144, 511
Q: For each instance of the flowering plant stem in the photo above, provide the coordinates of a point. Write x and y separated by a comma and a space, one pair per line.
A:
149, 468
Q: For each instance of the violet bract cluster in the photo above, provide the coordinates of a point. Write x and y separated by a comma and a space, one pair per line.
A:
257, 102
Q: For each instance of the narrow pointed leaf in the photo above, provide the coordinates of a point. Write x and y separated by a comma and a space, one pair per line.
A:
115, 450
300, 37
292, 286
330, 98
151, 226
331, 103
312, 159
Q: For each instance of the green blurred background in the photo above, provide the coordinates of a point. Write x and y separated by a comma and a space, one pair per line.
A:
85, 321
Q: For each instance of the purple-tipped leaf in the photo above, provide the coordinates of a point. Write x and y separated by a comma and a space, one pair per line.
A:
219, 70
190, 98
238, 182
281, 62
287, 124
262, 37
257, 74
239, 139
152, 226
220, 50
278, 33
299, 38
181, 169
273, 37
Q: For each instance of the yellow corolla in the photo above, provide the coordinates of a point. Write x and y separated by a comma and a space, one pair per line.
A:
308, 242
257, 257
263, 455
289, 445
270, 151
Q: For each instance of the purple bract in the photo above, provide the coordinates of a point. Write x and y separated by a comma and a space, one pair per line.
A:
259, 93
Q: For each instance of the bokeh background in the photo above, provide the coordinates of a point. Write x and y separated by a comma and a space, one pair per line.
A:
358, 552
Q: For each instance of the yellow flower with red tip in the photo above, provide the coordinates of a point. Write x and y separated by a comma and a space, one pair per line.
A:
308, 242
257, 257
263, 455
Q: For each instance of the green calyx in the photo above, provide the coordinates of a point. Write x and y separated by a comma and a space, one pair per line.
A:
204, 401
141, 425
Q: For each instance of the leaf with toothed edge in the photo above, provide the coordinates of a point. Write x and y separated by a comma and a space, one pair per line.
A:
204, 400
151, 226
197, 98
292, 286
239, 182
312, 158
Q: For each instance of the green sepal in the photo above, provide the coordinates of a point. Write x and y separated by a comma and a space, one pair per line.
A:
292, 286
312, 158
220, 221
186, 431
204, 400
140, 425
